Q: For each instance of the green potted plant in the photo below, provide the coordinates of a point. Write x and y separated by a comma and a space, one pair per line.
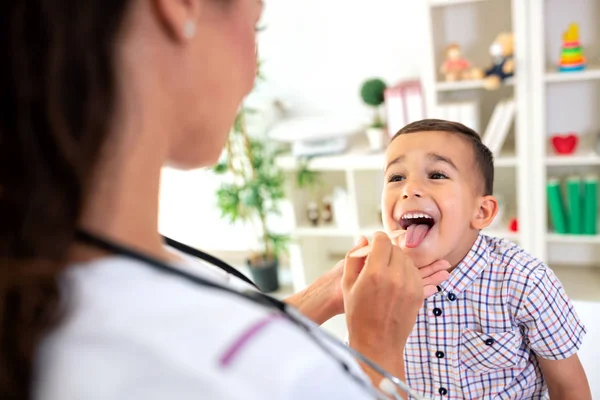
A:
252, 188
372, 94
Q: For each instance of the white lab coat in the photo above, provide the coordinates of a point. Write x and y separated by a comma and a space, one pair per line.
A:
135, 333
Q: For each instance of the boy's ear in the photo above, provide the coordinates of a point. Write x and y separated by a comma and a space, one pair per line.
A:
485, 214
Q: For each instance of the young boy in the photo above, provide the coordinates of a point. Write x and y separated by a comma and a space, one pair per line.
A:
501, 326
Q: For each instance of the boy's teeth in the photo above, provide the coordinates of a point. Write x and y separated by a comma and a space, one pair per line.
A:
415, 215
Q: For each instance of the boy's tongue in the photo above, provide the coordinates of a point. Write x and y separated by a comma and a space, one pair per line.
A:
415, 235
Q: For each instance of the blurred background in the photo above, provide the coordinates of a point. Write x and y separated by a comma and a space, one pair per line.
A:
302, 175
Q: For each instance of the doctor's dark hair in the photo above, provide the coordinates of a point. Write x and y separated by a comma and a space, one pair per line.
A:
484, 159
57, 84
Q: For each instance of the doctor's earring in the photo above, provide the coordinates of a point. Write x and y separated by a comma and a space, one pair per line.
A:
189, 29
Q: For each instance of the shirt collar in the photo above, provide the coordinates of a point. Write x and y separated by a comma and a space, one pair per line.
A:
469, 268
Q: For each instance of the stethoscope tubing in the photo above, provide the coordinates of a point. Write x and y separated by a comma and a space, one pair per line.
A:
293, 315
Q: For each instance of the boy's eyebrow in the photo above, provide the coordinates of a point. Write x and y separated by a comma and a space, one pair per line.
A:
432, 156
439, 158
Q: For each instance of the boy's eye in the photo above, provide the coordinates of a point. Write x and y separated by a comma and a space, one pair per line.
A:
437, 175
396, 178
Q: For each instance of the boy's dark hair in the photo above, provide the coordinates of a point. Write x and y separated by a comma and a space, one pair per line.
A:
483, 156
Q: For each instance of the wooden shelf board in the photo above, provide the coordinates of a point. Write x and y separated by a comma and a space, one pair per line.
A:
329, 231
353, 160
359, 159
465, 85
590, 73
583, 158
368, 231
443, 3
580, 282
574, 239
505, 161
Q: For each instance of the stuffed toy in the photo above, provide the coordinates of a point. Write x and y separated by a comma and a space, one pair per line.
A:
503, 64
456, 67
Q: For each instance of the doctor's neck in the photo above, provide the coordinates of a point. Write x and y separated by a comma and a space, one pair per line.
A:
122, 200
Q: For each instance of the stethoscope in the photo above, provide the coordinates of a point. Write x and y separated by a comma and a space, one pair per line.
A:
389, 385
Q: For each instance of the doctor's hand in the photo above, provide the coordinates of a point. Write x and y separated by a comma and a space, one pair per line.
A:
383, 293
432, 275
322, 300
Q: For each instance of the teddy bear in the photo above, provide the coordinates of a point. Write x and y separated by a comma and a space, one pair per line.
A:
455, 67
503, 64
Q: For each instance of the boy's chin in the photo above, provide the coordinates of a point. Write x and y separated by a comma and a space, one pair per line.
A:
421, 256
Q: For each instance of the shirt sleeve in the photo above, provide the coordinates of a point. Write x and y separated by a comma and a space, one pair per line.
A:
548, 318
288, 363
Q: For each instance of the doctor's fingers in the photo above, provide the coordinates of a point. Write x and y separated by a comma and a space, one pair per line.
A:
380, 257
406, 279
353, 266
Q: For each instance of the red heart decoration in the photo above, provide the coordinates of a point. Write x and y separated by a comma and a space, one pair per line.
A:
513, 225
565, 144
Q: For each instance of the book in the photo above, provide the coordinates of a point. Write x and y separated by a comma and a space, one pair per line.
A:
499, 125
574, 203
590, 205
556, 206
465, 112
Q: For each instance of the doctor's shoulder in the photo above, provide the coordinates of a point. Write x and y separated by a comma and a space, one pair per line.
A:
133, 332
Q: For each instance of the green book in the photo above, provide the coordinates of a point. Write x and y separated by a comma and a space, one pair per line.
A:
556, 206
590, 205
574, 203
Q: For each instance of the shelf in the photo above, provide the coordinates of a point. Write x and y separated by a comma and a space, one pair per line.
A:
590, 73
443, 3
581, 283
465, 85
505, 161
356, 159
323, 231
362, 160
572, 239
590, 158
369, 231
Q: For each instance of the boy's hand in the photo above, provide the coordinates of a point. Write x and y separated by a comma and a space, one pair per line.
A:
565, 378
433, 275
323, 299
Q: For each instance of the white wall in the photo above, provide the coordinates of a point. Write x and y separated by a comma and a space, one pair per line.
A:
316, 54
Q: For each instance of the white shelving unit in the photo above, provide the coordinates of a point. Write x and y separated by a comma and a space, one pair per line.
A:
563, 102
546, 101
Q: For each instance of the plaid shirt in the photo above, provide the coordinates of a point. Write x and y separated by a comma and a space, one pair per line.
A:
480, 336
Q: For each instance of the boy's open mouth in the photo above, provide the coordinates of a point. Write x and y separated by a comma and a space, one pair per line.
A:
416, 224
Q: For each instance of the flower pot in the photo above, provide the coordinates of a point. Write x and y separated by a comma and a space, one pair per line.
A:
265, 275
376, 138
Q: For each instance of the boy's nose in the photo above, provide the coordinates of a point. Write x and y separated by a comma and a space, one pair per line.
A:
411, 190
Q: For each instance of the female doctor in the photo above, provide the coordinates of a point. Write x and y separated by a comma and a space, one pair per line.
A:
98, 96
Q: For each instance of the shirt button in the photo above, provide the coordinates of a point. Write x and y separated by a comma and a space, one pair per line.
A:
490, 341
443, 391
439, 354
437, 312
451, 297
